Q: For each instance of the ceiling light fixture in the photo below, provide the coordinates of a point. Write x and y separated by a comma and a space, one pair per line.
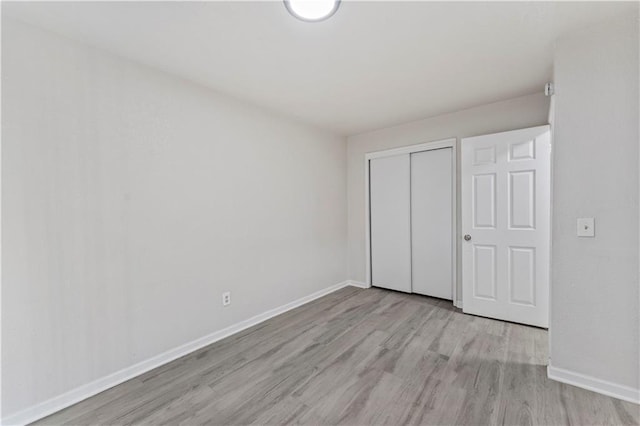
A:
312, 10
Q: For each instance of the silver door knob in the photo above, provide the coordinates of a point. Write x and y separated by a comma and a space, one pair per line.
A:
467, 237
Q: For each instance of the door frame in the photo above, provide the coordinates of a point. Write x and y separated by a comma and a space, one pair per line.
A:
426, 146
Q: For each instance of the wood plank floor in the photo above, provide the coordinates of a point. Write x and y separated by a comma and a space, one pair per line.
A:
359, 357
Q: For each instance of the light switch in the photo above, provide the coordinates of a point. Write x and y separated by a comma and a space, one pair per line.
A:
586, 227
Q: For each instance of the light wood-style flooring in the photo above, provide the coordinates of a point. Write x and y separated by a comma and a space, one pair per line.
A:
359, 357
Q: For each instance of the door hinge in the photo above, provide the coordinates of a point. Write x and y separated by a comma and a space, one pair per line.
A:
548, 89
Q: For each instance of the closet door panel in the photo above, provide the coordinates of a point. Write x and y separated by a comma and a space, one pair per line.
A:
432, 223
389, 185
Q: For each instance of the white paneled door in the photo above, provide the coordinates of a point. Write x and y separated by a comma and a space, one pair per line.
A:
506, 196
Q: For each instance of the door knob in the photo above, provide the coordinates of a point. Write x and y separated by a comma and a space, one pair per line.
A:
467, 237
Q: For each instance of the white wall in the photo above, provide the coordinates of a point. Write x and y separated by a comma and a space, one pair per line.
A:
595, 320
132, 200
526, 111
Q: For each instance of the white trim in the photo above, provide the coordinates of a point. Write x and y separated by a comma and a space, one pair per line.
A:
367, 224
427, 146
83, 392
551, 210
358, 284
604, 387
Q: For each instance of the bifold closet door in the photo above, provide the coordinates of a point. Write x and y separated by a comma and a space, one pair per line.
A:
432, 222
389, 193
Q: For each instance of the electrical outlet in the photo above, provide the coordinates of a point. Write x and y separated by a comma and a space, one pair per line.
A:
226, 298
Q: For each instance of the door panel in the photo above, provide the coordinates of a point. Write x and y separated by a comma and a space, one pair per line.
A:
506, 212
484, 201
484, 272
389, 179
522, 275
522, 199
432, 222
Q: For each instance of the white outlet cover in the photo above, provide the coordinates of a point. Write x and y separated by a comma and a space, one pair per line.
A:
586, 227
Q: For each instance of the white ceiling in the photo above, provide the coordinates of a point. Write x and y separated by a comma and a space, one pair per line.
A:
373, 64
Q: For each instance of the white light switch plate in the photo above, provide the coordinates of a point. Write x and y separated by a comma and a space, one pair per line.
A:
586, 227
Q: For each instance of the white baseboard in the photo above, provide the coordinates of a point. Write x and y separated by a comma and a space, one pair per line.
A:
358, 284
78, 394
604, 387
